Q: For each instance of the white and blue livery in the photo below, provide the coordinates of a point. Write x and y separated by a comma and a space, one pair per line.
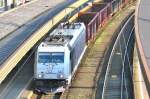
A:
59, 55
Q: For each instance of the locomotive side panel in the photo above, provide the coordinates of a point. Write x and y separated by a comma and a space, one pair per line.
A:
78, 50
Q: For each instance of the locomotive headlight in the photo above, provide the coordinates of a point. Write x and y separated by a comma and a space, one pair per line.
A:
39, 75
60, 76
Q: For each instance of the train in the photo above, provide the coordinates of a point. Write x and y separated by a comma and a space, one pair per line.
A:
58, 56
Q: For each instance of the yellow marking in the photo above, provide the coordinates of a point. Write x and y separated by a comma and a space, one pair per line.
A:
140, 90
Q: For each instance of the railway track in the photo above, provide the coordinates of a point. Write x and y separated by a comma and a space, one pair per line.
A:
119, 60
84, 83
18, 79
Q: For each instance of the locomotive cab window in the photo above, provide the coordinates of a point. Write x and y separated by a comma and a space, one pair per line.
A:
44, 57
54, 57
57, 57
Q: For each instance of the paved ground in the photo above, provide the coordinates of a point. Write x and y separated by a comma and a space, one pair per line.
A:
21, 15
11, 42
144, 27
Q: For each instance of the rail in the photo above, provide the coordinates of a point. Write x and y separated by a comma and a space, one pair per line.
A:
106, 80
124, 59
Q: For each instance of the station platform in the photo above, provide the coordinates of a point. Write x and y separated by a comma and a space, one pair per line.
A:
142, 27
18, 24
17, 17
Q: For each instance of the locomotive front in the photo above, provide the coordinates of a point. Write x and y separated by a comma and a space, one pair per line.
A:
58, 57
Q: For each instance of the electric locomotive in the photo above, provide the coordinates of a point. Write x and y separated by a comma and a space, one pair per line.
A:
58, 56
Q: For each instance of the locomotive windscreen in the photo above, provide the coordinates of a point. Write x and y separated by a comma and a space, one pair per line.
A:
53, 57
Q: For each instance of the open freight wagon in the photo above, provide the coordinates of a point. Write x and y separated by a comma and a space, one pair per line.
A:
94, 18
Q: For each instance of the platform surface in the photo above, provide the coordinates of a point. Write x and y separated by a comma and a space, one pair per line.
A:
144, 27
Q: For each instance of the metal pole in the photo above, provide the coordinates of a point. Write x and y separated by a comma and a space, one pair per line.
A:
6, 6
13, 4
